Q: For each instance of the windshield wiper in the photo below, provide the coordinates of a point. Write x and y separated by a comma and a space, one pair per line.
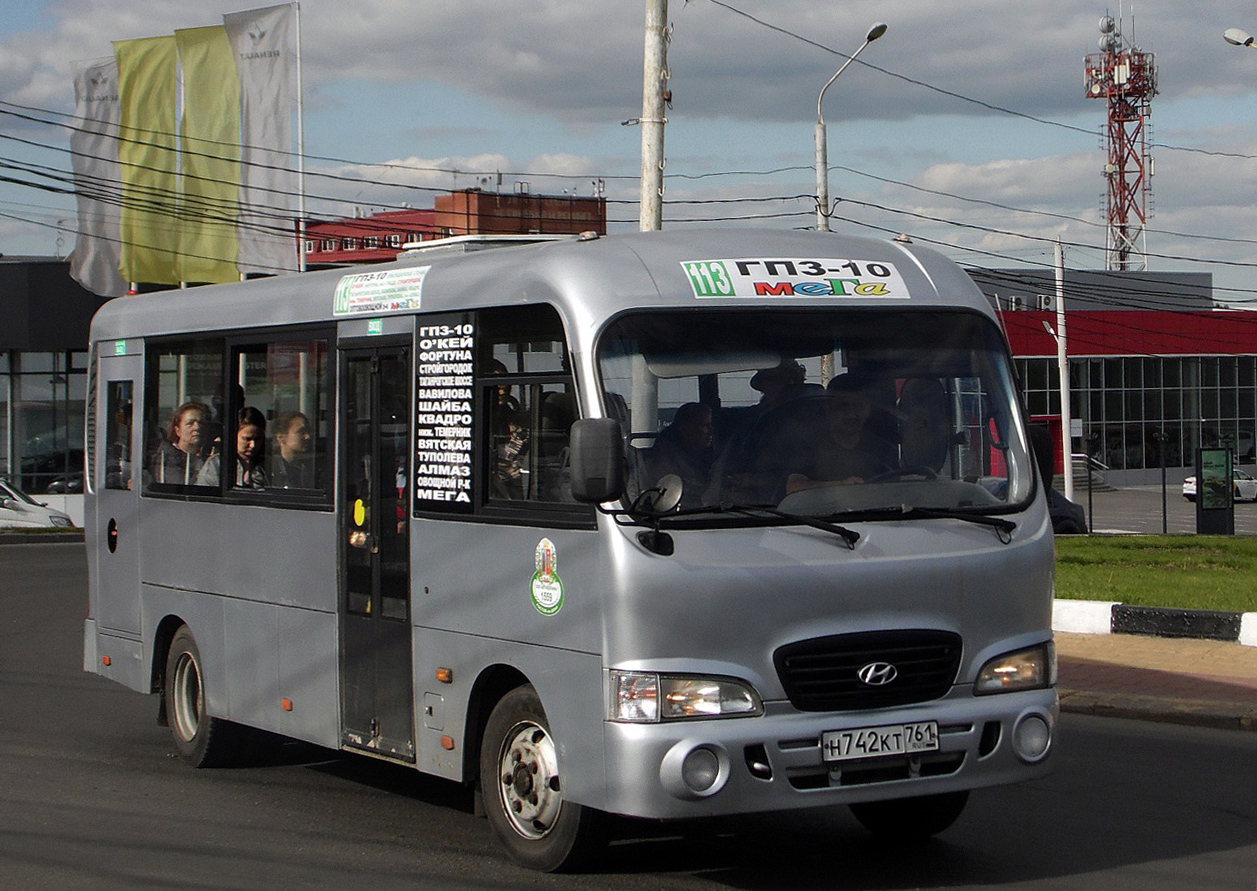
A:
757, 511
908, 512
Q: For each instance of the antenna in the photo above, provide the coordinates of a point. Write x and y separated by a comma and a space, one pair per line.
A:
1126, 78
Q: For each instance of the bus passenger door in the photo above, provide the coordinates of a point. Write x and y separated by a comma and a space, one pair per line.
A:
116, 484
377, 685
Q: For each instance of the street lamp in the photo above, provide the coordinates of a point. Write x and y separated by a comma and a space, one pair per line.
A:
822, 147
1237, 37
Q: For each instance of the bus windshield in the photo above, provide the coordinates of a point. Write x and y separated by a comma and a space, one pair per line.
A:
818, 413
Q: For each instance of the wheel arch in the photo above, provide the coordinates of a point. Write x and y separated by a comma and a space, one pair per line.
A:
167, 628
494, 682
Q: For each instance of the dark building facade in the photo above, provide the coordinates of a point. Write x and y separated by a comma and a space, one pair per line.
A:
44, 320
1156, 369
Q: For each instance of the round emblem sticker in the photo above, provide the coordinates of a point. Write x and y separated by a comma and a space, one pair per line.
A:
546, 586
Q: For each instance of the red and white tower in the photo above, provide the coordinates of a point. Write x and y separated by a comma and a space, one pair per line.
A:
1127, 79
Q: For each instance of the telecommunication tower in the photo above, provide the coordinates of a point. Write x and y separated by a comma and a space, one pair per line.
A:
1126, 78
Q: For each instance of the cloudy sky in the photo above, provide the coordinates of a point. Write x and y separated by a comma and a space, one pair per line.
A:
967, 127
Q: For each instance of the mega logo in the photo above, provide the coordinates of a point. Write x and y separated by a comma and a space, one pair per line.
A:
794, 278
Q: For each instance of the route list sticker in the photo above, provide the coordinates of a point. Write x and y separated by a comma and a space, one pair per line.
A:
393, 290
443, 416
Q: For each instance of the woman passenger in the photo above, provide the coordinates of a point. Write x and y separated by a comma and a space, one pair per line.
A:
180, 457
250, 444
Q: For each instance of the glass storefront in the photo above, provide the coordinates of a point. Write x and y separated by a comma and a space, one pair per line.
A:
1139, 411
42, 397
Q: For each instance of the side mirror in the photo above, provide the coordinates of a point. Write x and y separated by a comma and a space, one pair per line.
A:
597, 460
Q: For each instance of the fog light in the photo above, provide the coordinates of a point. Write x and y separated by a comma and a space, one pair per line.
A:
700, 770
694, 769
1031, 738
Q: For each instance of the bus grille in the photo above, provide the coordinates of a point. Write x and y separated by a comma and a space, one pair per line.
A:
822, 674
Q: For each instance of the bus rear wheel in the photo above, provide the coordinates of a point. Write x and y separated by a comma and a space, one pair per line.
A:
201, 740
522, 787
911, 819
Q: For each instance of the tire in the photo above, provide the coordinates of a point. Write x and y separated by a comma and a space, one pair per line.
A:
522, 791
201, 740
911, 819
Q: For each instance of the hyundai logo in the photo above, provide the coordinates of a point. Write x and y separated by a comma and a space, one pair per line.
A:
878, 674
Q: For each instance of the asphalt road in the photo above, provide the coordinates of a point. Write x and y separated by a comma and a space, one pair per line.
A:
91, 797
1141, 509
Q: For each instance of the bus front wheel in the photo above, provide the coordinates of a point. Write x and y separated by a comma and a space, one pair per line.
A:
201, 740
522, 788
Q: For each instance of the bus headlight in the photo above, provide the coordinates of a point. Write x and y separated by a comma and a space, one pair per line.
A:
646, 698
1027, 669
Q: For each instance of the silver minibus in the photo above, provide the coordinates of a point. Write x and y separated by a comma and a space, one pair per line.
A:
669, 525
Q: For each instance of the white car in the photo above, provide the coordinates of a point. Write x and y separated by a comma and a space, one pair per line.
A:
17, 509
1243, 487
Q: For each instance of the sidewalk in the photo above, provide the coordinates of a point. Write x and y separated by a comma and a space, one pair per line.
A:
1206, 683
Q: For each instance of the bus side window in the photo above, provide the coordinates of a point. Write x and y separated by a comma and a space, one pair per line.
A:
118, 445
526, 382
288, 383
184, 414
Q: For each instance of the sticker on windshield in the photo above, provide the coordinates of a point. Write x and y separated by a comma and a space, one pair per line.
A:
546, 586
394, 290
794, 277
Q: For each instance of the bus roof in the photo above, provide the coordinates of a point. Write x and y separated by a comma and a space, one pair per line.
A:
588, 278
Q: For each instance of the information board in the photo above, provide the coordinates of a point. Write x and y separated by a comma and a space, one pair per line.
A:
445, 413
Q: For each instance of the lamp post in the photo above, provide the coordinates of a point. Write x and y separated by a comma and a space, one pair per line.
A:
822, 147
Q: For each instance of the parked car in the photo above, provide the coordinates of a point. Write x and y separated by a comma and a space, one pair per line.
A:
17, 509
1243, 486
1068, 517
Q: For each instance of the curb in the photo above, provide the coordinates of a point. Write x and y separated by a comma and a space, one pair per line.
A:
1103, 617
74, 536
1166, 710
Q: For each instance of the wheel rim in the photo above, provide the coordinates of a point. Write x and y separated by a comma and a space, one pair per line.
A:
187, 697
528, 780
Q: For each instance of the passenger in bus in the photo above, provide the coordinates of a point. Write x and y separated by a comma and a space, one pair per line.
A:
250, 445
847, 451
291, 463
781, 383
925, 432
509, 429
181, 455
684, 447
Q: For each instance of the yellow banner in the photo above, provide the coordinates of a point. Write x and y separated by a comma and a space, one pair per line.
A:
210, 174
147, 91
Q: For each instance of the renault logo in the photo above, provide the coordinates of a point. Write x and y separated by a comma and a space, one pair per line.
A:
878, 674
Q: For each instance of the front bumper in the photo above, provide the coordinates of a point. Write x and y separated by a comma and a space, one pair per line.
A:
774, 762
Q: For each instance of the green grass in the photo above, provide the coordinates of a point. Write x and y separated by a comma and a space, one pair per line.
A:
1186, 571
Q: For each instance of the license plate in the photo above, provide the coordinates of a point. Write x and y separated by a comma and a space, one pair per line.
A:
876, 742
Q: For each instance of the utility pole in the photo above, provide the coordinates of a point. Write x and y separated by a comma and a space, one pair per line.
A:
1062, 365
654, 83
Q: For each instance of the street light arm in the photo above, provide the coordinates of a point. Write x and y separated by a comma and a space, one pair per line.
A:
822, 148
875, 32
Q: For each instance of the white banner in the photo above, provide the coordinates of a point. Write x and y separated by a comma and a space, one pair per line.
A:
97, 177
264, 43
